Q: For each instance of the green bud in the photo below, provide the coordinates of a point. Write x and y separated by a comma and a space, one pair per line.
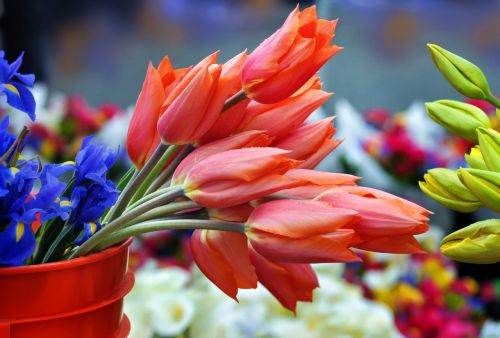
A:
459, 118
484, 184
475, 159
477, 243
444, 186
463, 75
489, 144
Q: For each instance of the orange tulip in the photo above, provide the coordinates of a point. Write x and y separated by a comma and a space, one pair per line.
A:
294, 231
315, 182
387, 222
279, 118
286, 60
196, 103
289, 283
245, 139
223, 257
142, 136
238, 213
310, 143
238, 176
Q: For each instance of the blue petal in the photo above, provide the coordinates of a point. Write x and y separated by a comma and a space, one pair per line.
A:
22, 99
89, 229
17, 243
26, 79
14, 66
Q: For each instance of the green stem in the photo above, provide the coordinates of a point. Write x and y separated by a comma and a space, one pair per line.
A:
178, 224
493, 100
150, 197
124, 219
136, 182
149, 178
169, 170
163, 211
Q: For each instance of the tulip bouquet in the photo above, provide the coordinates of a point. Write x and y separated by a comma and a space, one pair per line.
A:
225, 150
468, 189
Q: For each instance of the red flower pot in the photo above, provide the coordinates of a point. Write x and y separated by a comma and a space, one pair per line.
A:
80, 298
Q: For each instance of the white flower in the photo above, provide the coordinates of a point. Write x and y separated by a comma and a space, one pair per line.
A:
139, 316
171, 314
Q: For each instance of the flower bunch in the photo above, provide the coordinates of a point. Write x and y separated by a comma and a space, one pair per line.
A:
48, 208
225, 149
468, 189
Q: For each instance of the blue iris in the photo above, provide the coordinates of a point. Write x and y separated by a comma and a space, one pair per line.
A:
14, 85
93, 193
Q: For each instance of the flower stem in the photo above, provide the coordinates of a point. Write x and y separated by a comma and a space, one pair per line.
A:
124, 219
135, 183
234, 100
149, 197
163, 211
177, 224
169, 170
153, 173
493, 100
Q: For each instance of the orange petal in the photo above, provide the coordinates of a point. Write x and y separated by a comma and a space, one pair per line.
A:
299, 218
142, 127
330, 248
403, 244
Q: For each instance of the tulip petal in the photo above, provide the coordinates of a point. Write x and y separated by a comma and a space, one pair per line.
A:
403, 244
330, 248
223, 257
298, 218
142, 127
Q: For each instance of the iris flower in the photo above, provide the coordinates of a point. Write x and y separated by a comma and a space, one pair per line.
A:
15, 85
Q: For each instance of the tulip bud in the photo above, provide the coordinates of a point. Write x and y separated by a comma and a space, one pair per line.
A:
459, 118
475, 159
477, 243
484, 184
489, 143
464, 76
444, 186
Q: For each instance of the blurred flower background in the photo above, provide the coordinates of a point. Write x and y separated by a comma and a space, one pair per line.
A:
90, 57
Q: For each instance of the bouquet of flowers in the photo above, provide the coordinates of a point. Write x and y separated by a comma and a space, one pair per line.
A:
468, 189
224, 150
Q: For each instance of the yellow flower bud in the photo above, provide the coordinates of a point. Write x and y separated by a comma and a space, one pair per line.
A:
458, 117
489, 143
484, 184
444, 186
475, 159
463, 75
477, 243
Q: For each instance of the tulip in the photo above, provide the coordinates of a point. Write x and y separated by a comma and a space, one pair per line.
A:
238, 176
279, 118
238, 213
297, 231
475, 159
310, 143
142, 136
286, 60
289, 283
246, 139
464, 76
192, 108
459, 118
444, 186
478, 243
223, 257
315, 182
489, 143
196, 102
382, 215
484, 184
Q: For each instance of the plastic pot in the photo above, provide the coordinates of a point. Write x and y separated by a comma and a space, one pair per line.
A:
79, 298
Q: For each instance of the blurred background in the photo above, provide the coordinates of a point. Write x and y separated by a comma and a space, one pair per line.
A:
90, 58
100, 48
